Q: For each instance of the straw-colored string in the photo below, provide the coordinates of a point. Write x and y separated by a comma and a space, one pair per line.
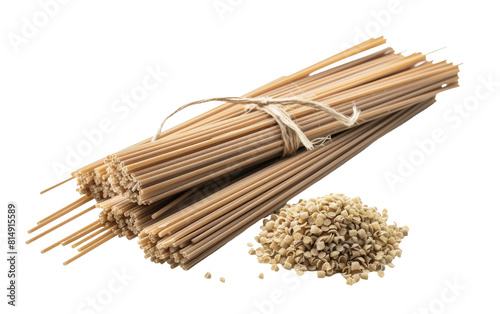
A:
291, 133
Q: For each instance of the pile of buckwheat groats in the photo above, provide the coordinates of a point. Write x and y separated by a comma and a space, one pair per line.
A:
329, 235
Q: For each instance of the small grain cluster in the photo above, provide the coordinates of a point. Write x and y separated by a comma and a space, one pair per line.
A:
329, 235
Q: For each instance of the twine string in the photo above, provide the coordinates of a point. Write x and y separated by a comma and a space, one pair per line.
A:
291, 133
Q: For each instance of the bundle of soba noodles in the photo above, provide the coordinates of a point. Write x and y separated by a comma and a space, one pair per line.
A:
190, 189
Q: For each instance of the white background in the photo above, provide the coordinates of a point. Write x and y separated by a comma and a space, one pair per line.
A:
65, 76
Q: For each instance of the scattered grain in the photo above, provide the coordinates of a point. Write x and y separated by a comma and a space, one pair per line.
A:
330, 235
